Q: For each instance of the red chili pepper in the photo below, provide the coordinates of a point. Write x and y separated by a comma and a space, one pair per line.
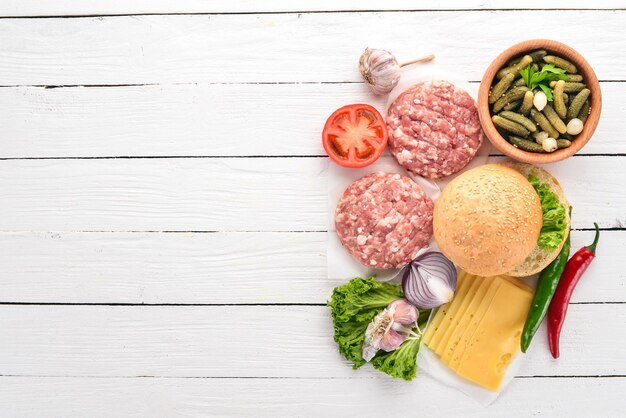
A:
574, 269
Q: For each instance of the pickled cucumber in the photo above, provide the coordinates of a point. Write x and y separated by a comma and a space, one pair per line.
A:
563, 143
543, 123
559, 103
519, 82
527, 104
510, 126
554, 119
501, 87
512, 95
584, 111
516, 117
575, 77
525, 144
573, 87
538, 54
577, 103
561, 63
523, 63
512, 105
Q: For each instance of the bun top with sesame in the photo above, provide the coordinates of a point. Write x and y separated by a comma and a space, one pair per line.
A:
488, 219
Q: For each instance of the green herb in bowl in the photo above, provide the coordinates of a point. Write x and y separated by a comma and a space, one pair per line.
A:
542, 78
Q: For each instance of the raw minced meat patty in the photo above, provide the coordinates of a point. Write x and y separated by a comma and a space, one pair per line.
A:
384, 219
434, 130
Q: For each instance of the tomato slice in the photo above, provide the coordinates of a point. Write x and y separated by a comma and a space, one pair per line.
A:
355, 135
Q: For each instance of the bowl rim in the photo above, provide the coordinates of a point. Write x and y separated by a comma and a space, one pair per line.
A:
559, 49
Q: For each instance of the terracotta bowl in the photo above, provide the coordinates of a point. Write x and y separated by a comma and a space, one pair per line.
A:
590, 79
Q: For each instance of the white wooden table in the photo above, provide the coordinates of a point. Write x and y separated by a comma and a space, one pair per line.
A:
163, 206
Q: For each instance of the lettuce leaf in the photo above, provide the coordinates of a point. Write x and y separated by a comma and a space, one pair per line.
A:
353, 306
553, 227
400, 363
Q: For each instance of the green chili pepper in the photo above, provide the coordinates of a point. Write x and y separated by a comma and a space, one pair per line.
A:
546, 285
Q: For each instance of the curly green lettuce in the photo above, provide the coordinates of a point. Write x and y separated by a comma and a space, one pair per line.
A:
553, 229
353, 306
400, 363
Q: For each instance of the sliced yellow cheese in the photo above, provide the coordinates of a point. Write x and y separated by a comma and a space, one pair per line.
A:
435, 330
496, 339
456, 315
466, 318
475, 318
451, 311
434, 324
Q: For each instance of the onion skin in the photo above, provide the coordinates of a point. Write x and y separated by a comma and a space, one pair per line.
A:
429, 281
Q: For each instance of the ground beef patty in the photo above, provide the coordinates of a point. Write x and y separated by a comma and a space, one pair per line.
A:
434, 129
384, 219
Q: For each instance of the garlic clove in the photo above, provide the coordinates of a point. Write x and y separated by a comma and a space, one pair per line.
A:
403, 312
371, 343
369, 350
392, 340
376, 330
380, 70
540, 100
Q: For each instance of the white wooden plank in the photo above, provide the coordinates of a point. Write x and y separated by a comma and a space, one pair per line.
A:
239, 194
213, 268
119, 7
284, 47
284, 119
23, 397
248, 341
171, 194
165, 268
198, 119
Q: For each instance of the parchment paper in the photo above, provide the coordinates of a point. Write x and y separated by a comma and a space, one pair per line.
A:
342, 267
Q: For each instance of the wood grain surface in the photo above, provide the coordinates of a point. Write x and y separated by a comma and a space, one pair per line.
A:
284, 47
194, 120
211, 268
234, 194
163, 206
248, 341
29, 8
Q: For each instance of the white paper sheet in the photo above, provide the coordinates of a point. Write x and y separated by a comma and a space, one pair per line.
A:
342, 267
429, 362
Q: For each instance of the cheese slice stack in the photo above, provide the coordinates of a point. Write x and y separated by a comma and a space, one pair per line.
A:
478, 333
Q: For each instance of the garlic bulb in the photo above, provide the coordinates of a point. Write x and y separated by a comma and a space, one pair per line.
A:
380, 69
390, 328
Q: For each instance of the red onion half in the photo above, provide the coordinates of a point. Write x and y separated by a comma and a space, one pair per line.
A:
429, 281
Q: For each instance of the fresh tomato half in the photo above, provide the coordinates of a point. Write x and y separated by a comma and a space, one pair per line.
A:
355, 135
